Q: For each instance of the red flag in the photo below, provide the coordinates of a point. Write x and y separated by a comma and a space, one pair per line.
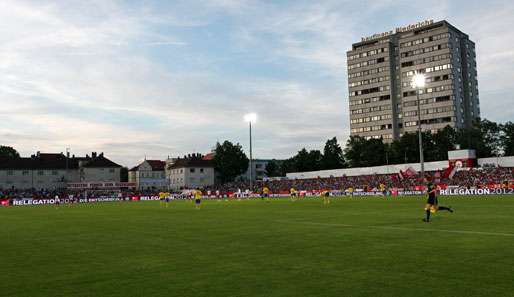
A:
448, 171
410, 172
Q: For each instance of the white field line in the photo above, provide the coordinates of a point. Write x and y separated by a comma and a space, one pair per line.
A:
400, 228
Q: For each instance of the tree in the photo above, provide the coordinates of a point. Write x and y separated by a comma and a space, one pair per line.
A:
272, 168
354, 151
407, 148
230, 161
374, 152
307, 160
124, 174
430, 152
288, 166
444, 141
301, 160
8, 152
332, 155
507, 138
490, 132
482, 136
314, 160
360, 152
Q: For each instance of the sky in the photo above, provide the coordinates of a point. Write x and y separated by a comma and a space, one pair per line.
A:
153, 79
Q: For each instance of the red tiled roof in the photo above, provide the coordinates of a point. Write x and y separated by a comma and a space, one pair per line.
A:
209, 156
55, 161
193, 162
100, 162
157, 165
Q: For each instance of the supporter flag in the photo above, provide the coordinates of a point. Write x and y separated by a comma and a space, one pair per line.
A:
447, 172
437, 176
410, 172
5, 202
454, 170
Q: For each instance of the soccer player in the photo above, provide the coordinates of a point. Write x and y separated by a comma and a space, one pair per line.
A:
293, 193
326, 197
57, 201
432, 205
167, 196
265, 193
382, 188
198, 199
162, 197
350, 190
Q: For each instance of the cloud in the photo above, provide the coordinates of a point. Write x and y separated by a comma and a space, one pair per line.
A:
172, 78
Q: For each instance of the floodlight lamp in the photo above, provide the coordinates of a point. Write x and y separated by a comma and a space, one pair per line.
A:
250, 117
418, 81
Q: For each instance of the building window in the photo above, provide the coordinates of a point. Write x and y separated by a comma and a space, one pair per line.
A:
201, 170
54, 172
40, 172
25, 172
111, 170
10, 172
192, 170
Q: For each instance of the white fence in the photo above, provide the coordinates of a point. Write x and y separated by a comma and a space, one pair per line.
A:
387, 169
390, 169
497, 161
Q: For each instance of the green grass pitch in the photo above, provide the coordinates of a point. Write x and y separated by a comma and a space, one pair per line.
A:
352, 247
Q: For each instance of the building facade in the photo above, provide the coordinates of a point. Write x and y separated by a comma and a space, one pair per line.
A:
383, 103
191, 172
258, 169
149, 175
54, 171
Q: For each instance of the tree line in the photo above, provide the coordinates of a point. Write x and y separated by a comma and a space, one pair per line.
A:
488, 138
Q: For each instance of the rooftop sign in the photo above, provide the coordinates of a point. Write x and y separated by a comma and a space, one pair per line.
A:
399, 30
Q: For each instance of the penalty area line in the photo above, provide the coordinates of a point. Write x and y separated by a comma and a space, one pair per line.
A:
400, 228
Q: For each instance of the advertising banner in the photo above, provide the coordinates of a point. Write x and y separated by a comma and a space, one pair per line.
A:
475, 192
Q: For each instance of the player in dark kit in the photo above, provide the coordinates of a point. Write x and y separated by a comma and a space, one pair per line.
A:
432, 205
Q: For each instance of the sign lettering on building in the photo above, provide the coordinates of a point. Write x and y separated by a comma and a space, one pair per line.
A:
399, 30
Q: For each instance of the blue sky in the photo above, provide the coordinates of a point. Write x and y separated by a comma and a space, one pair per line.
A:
159, 78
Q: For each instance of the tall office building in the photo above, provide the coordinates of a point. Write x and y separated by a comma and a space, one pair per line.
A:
380, 70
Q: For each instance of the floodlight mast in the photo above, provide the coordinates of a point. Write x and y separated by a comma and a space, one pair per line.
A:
418, 82
251, 118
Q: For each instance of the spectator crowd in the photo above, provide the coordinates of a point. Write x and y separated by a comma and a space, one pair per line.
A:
472, 178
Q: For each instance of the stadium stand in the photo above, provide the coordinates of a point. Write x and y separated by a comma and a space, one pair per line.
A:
467, 178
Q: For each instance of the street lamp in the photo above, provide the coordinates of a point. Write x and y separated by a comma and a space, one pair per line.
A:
251, 118
67, 158
418, 82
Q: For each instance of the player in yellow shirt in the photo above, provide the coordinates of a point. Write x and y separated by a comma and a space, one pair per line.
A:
162, 197
382, 188
265, 193
350, 190
294, 194
167, 197
198, 199
326, 197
